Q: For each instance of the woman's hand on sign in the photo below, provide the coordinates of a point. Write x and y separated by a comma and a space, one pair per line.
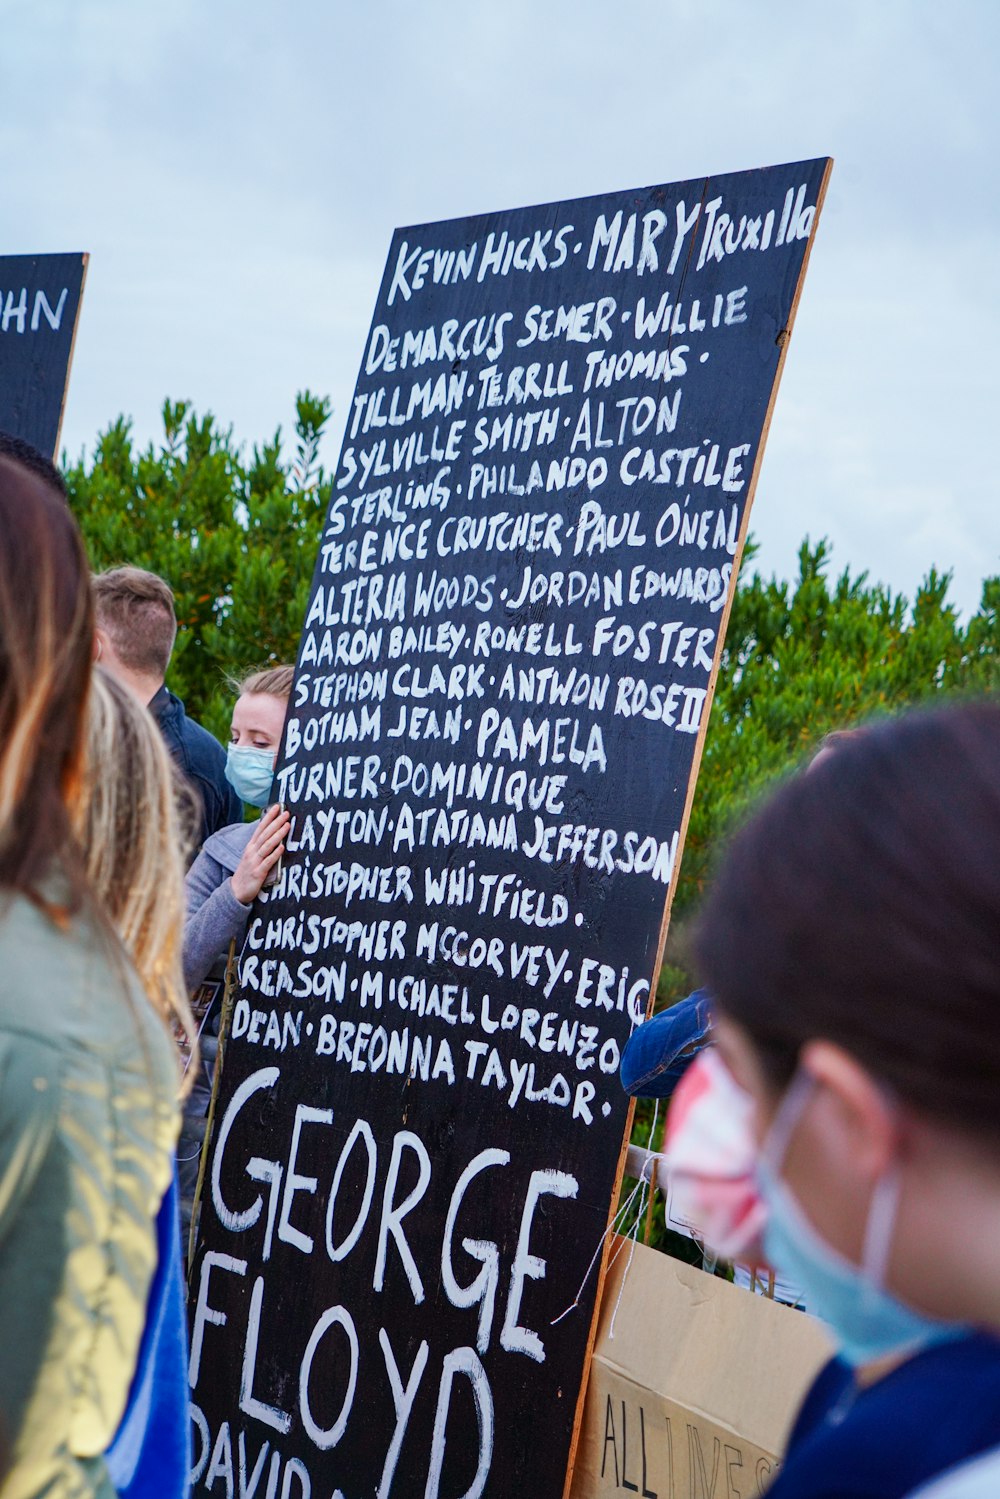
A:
266, 846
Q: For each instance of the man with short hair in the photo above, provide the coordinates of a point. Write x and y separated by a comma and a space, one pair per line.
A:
136, 627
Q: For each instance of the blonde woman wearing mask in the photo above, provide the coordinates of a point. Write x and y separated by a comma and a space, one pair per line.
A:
222, 885
234, 863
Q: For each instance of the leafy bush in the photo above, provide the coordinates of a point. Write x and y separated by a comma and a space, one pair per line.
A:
235, 538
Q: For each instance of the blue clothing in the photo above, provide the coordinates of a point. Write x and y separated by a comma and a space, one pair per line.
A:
201, 760
939, 1408
658, 1052
150, 1457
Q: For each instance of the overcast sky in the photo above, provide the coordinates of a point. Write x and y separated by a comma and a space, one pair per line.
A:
236, 170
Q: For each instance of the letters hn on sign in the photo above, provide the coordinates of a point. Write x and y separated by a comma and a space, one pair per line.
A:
39, 306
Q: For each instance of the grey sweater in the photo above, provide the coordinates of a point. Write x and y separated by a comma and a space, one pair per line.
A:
214, 916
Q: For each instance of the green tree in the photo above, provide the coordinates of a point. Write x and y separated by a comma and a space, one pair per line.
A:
235, 538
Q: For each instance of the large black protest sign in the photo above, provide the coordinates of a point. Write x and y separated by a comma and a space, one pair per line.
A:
502, 690
39, 305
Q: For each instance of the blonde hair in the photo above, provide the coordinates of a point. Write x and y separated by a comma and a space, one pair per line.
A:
133, 835
272, 681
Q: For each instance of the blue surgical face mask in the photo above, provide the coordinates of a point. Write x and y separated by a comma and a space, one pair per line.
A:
250, 773
867, 1321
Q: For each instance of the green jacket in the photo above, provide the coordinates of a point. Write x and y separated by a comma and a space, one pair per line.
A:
88, 1123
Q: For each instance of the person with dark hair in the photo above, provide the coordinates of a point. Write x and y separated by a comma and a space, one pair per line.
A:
88, 1115
850, 942
28, 457
134, 639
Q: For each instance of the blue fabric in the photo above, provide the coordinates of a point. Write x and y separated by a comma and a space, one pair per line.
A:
658, 1052
150, 1457
939, 1408
201, 759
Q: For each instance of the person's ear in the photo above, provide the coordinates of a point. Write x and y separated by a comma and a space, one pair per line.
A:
852, 1110
100, 644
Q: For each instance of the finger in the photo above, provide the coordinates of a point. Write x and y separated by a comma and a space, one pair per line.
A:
264, 827
271, 841
273, 858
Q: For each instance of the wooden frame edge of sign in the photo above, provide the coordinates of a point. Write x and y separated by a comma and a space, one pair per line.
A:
785, 337
85, 262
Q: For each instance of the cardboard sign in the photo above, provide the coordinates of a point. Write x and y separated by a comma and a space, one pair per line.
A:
39, 306
693, 1390
501, 693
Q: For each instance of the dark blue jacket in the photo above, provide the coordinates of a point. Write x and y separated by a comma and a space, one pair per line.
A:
938, 1409
658, 1051
201, 760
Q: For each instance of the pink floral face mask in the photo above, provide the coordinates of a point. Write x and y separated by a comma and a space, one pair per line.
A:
711, 1159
